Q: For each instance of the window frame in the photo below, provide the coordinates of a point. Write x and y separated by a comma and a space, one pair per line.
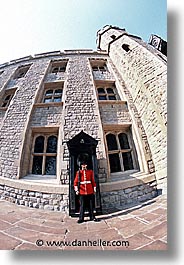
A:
61, 65
21, 71
126, 47
106, 94
120, 151
7, 93
100, 68
52, 86
44, 154
52, 96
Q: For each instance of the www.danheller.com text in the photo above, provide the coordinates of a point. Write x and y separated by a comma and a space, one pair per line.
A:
83, 243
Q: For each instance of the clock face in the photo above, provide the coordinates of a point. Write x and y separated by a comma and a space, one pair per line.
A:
155, 41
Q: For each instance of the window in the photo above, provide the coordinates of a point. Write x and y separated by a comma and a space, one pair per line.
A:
21, 71
113, 37
99, 66
126, 47
58, 67
53, 92
106, 93
44, 155
119, 152
7, 98
53, 95
101, 69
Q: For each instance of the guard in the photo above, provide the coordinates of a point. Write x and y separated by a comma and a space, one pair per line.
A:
85, 187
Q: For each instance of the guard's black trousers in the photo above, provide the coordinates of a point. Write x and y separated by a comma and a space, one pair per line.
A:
86, 203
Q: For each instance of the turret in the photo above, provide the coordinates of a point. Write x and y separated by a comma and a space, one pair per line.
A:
108, 34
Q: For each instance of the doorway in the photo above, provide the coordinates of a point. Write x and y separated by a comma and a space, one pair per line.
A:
82, 147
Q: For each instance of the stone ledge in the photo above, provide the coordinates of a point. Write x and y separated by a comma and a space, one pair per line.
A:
3, 109
128, 183
40, 187
110, 102
49, 104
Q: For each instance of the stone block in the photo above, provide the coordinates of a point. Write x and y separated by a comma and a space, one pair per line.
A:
49, 207
25, 193
32, 194
30, 204
22, 202
36, 205
46, 196
56, 208
127, 190
38, 194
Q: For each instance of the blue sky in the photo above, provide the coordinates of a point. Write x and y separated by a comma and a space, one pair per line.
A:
35, 26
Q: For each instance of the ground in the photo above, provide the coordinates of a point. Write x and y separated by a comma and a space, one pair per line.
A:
143, 227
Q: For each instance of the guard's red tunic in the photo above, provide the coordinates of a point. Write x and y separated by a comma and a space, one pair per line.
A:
87, 182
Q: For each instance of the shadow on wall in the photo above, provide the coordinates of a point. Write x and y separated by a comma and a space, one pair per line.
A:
125, 212
121, 195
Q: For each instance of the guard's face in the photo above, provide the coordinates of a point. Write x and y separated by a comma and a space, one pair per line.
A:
84, 166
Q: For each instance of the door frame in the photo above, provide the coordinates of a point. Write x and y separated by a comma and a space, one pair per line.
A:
82, 143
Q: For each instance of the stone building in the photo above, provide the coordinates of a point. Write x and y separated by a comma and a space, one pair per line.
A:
108, 105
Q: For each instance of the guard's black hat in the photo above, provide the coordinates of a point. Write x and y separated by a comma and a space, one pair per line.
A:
83, 162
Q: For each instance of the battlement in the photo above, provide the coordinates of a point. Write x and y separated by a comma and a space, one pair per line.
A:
51, 54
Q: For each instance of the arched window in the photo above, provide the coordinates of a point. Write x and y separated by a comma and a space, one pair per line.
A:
119, 152
6, 101
123, 140
101, 90
95, 68
52, 144
39, 144
44, 155
101, 93
110, 93
110, 90
21, 71
126, 47
7, 98
111, 142
113, 37
113, 153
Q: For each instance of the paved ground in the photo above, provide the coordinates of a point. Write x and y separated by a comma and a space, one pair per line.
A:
143, 227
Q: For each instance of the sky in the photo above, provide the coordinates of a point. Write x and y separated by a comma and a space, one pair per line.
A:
29, 27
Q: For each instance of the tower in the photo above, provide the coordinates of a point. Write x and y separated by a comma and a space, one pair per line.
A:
143, 71
108, 105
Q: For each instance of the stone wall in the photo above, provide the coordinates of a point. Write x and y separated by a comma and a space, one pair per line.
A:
78, 112
35, 199
48, 115
114, 113
13, 130
124, 198
111, 200
80, 107
98, 75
